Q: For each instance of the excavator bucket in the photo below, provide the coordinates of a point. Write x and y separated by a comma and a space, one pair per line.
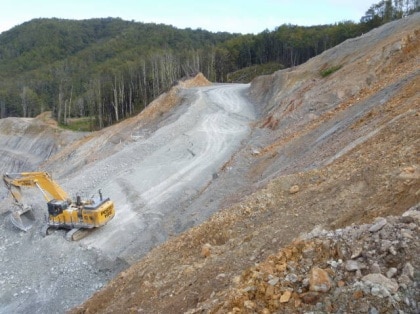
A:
23, 219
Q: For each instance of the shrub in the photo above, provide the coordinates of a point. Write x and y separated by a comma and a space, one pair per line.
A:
331, 70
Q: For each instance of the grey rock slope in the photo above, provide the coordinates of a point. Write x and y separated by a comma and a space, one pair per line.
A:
25, 143
330, 151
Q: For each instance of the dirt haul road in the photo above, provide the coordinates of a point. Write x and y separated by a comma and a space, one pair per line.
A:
151, 179
170, 167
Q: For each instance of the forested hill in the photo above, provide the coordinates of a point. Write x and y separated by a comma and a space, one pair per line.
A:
65, 64
108, 69
42, 41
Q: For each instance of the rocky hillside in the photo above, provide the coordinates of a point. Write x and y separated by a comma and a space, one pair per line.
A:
27, 142
323, 214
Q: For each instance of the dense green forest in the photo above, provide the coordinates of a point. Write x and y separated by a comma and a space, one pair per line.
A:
109, 69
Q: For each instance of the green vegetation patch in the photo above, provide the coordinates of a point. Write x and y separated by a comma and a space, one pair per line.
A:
247, 74
331, 70
78, 124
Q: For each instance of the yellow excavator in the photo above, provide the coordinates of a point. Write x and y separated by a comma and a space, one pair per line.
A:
79, 217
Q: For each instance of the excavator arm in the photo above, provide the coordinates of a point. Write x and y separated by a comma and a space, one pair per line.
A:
42, 180
23, 217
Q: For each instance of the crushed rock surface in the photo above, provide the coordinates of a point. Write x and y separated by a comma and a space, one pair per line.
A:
368, 268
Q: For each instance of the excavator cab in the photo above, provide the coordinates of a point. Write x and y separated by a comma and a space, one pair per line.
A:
56, 207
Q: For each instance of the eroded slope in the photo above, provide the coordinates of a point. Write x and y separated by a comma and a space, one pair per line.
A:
25, 143
328, 152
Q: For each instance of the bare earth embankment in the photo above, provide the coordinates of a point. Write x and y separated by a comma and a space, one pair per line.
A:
328, 153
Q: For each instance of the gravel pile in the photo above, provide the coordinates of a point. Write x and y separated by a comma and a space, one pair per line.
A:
371, 268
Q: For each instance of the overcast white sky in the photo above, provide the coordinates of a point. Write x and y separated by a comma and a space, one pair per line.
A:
234, 16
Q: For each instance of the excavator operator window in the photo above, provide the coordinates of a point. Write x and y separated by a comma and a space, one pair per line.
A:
55, 207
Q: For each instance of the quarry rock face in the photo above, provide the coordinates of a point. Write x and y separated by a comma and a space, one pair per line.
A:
25, 143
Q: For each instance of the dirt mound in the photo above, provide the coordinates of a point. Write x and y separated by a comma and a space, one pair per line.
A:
168, 100
329, 152
46, 117
198, 80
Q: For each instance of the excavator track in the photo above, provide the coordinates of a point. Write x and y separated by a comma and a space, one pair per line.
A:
47, 230
77, 234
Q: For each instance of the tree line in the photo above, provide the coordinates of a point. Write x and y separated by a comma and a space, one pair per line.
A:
110, 69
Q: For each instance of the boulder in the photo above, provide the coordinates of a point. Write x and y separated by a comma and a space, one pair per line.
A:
319, 280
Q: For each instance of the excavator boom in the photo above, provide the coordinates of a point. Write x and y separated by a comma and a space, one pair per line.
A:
49, 188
